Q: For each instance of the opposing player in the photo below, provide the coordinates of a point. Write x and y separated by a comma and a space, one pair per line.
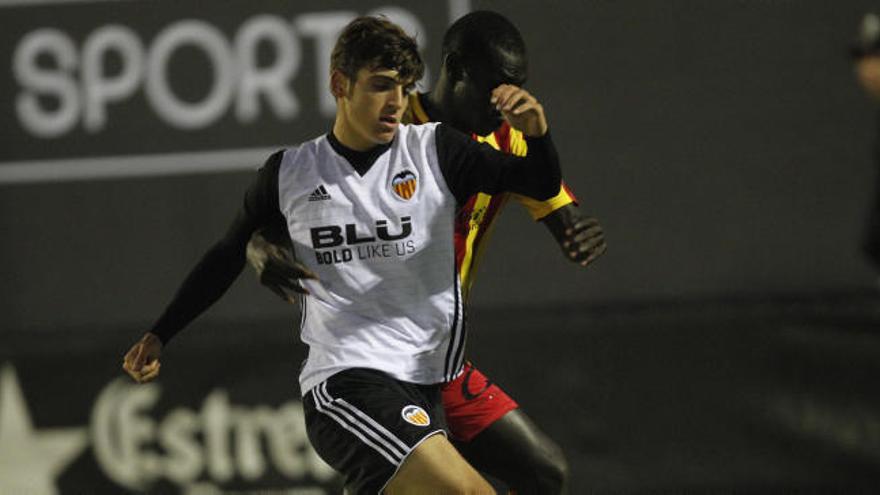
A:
865, 51
370, 209
480, 51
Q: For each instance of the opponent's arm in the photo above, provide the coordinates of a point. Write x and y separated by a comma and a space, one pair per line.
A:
211, 277
580, 236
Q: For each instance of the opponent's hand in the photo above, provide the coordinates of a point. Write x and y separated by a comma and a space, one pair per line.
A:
276, 268
141, 362
521, 110
584, 241
580, 236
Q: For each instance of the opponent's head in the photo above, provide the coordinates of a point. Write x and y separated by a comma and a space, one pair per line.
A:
865, 50
372, 68
480, 51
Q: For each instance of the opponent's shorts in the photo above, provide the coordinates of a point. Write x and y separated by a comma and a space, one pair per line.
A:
472, 403
364, 424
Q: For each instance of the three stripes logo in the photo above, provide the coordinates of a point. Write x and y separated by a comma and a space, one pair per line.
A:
415, 415
404, 184
319, 194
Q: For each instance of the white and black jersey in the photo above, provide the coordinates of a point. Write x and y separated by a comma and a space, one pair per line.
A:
381, 245
377, 229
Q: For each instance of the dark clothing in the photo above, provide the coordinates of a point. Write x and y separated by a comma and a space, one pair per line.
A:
872, 235
365, 424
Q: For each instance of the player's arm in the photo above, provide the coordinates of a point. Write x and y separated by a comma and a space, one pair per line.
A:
470, 167
580, 236
213, 274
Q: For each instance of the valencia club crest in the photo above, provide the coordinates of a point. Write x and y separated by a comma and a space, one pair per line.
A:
404, 184
415, 415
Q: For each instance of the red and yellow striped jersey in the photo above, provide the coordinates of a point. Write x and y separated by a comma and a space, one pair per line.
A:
474, 219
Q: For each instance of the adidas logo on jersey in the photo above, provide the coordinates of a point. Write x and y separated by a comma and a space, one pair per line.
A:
319, 194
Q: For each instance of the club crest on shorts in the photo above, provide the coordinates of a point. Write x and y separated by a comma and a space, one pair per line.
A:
404, 184
415, 415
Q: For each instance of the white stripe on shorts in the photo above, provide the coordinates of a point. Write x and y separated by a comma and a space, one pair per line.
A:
366, 421
379, 428
372, 438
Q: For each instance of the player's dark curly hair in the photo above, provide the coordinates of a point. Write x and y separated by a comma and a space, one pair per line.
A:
375, 42
476, 36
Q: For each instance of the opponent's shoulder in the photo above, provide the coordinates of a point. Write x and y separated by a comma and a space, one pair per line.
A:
415, 112
516, 143
513, 133
507, 139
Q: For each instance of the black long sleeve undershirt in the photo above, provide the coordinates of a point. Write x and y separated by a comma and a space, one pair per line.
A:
470, 167
223, 262
467, 166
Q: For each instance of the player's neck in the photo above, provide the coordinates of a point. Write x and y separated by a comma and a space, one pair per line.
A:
348, 137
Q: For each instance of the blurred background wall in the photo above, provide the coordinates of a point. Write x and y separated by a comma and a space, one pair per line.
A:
724, 146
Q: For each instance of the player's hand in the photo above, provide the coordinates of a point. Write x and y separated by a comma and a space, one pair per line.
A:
521, 110
580, 236
276, 268
584, 241
141, 362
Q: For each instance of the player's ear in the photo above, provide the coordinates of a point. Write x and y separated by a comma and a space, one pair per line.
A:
339, 84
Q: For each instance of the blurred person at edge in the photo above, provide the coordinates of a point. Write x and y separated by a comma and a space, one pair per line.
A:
865, 50
480, 51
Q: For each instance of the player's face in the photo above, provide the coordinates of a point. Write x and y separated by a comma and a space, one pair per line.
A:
472, 110
372, 106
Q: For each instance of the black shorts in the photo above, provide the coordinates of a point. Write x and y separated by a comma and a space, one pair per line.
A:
364, 424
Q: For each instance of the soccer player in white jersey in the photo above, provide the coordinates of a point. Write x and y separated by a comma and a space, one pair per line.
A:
370, 210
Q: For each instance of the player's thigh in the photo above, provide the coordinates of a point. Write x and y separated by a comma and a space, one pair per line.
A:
435, 466
515, 450
497, 438
472, 403
517, 433
365, 424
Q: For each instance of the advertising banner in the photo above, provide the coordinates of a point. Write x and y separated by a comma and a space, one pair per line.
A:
119, 88
224, 417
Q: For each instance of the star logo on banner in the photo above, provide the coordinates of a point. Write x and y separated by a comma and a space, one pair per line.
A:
30, 460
